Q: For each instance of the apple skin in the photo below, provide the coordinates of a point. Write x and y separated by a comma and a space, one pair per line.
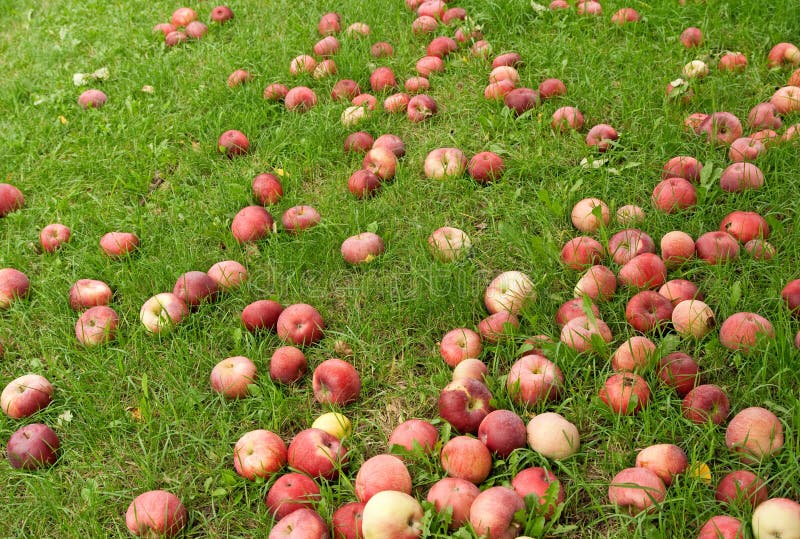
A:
267, 189
625, 393
680, 371
414, 431
521, 100
456, 494
767, 136
628, 243
346, 521
300, 324
691, 37
174, 38
194, 287
291, 492
393, 143
783, 53
363, 183
162, 312
786, 99
382, 79
492, 514
566, 118
498, 326
156, 513
552, 436
97, 325
360, 141
692, 317
578, 332
380, 161
471, 368
646, 270
444, 163
302, 64
665, 460
464, 404
441, 46
233, 143
329, 23
275, 92
682, 166
705, 403
346, 89
415, 85
581, 252
741, 485
509, 292
585, 218
87, 293
746, 149
362, 248
630, 214
790, 295
379, 473
745, 226
485, 167
460, 344
534, 379
502, 431
674, 194
262, 314
636, 490
53, 236
574, 308
551, 88
366, 101
497, 91
760, 249
221, 14
599, 283
537, 481
299, 218
239, 77
721, 128
421, 107
25, 396
381, 49
303, 523
11, 199
625, 15
232, 376
511, 59
676, 248
601, 136
740, 177
392, 515
228, 274
777, 518
259, 453
92, 99
648, 310
316, 453
755, 433
118, 244
336, 382
300, 99
741, 331
717, 247
634, 354
464, 457
590, 7
721, 527
447, 244
32, 446
251, 224
732, 61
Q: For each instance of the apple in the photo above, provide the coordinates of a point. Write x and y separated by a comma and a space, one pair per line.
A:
551, 88
238, 77
696, 69
413, 432
302, 64
741, 485
362, 183
327, 46
760, 249
794, 79
504, 72
26, 395
502, 431
732, 61
741, 176
521, 100
300, 324
498, 326
165, 28
742, 331
392, 515
485, 167
633, 355
464, 457
454, 14
275, 92
251, 224
261, 315
379, 473
766, 136
368, 101
291, 492
183, 16
381, 79
628, 243
381, 49
790, 295
599, 283
175, 38
118, 244
193, 287
646, 270
636, 490
259, 453
471, 368
396, 103
232, 376
694, 121
721, 527
454, 494
415, 85
380, 161
92, 99
647, 311
566, 118
162, 312
87, 293
783, 53
679, 371
534, 379
676, 248
481, 49
497, 91
228, 274
625, 393
32, 446
630, 214
444, 163
358, 29
300, 524
233, 143
574, 308
552, 436
721, 128
746, 149
317, 453
346, 521
705, 403
287, 365
589, 214
393, 143
786, 99
300, 99
682, 166
581, 252
53, 236
537, 481
421, 107
441, 46
665, 460
336, 382
97, 325
267, 189
691, 37
330, 23
511, 59
625, 15
459, 344
325, 68
601, 136
777, 518
221, 14
362, 248
745, 226
333, 423
156, 512
692, 317
447, 244
590, 7
345, 89
674, 194
359, 141
509, 292
11, 199
717, 247
299, 218
678, 290
755, 433
464, 403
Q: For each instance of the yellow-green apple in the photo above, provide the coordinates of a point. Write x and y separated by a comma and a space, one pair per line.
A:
261, 314
300, 99
32, 446
495, 513
414, 432
742, 331
741, 176
299, 218
259, 453
238, 77
581, 252
625, 15
251, 224
362, 183
760, 249
691, 37
460, 344
317, 453
429, 64
598, 282
53, 236
498, 326
456, 495
116, 244
552, 436
381, 79
346, 522
194, 287
471, 368
646, 270
360, 141
333, 423
579, 332
156, 513
267, 189
509, 292
396, 103
566, 118
287, 365
648, 310
721, 527
362, 248
721, 128
421, 107
232, 376
162, 312
680, 371
92, 99
392, 515
300, 324
444, 163
786, 99
346, 89
745, 225
441, 46
624, 245
588, 219
353, 115
448, 244
636, 490
777, 518
676, 248
233, 143
741, 485
706, 403
415, 85
502, 431
393, 143
290, 492
696, 69
336, 382
228, 274
511, 59
665, 460
379, 473
304, 523
381, 49
754, 433
87, 293
26, 395
97, 325
521, 100
536, 481
11, 199
380, 161
275, 92
746, 149
329, 23
625, 393
601, 136
635, 354
692, 318
221, 14
534, 379
485, 167
630, 214
464, 403
497, 91
574, 308
674, 194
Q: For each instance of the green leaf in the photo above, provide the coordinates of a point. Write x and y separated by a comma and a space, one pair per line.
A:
736, 293
372, 227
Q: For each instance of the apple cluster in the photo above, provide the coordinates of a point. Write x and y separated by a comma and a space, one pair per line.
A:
184, 24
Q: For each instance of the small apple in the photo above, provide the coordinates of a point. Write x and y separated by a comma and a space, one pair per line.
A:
299, 218
333, 423
175, 38
232, 376
360, 141
97, 325
445, 163
92, 99
300, 324
625, 15
552, 436
32, 446
221, 14
630, 214
464, 457
118, 244
741, 176
228, 274
162, 312
717, 247
304, 522
53, 236
741, 485
706, 403
665, 460
87, 293
362, 248
442, 46
238, 77
746, 149
599, 283
415, 85
786, 99
275, 92
259, 453
421, 107
194, 287
25, 396
682, 166
287, 365
291, 492
601, 136
233, 143
625, 393
589, 214
581, 252
267, 189
635, 354
447, 244
509, 292
648, 310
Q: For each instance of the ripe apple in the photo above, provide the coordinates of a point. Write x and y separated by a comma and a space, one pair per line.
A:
694, 121
590, 7
764, 116
368, 101
325, 68
233, 143
360, 141
53, 236
589, 214
521, 100
300, 99
566, 118
732, 61
336, 382
317, 453
97, 325
552, 436
777, 518
574, 308
396, 102
381, 49
633, 355
429, 64
194, 287
745, 226
232, 376
414, 432
674, 194
444, 163
628, 243
721, 527
579, 332
302, 64
447, 244
362, 248
706, 403
454, 494
346, 89
691, 37
625, 15
441, 46
717, 247
291, 492
601, 136
646, 270
299, 218
329, 23
599, 283
415, 85
165, 28
251, 224
648, 310
494, 513
741, 485
534, 379
665, 460
228, 274
327, 46
464, 457
162, 312
680, 371
261, 315
485, 167
497, 91
760, 249
118, 244
304, 522
11, 199
346, 521
630, 214
755, 433
625, 393
741, 331
259, 453
175, 38
454, 14
581, 252
721, 128
537, 481
238, 77
502, 431
381, 79
300, 324
26, 395
393, 143
786, 99
767, 136
392, 515
636, 490
551, 88
221, 14
509, 292
267, 189
498, 326
682, 166
87, 293
421, 107
464, 403
363, 183
471, 368
746, 149
380, 161
92, 99
676, 248
156, 513
511, 59
790, 295
459, 344
692, 317
275, 92
32, 446
333, 423
740, 177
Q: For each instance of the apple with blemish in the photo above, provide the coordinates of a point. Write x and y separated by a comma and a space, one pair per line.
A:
534, 379
648, 310
465, 457
693, 318
118, 244
325, 68
162, 312
665, 460
232, 143
87, 293
221, 14
691, 37
745, 226
674, 194
363, 183
625, 393
300, 99
510, 291
456, 495
346, 521
444, 163
362, 248
381, 79
464, 403
97, 325
636, 490
721, 128
676, 248
741, 485
194, 287
228, 274
760, 249
353, 115
705, 403
481, 49
694, 121
415, 85
732, 61
327, 46
599, 283
259, 453
290, 492
552, 436
156, 513
300, 324
287, 365
53, 236
678, 290
336, 381
696, 69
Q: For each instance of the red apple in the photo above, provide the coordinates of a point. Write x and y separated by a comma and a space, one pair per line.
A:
665, 460
118, 244
636, 490
511, 59
53, 236
760, 249
534, 379
261, 315
362, 183
362, 248
379, 473
359, 141
790, 295
754, 433
745, 226
221, 14
786, 99
300, 99
566, 118
421, 107
551, 88
156, 512
233, 143
26, 395
706, 403
741, 485
732, 61
599, 283
601, 136
382, 78
589, 214
162, 312
330, 23
643, 271
251, 224
694, 121
459, 344
325, 68
497, 91
336, 382
486, 167
678, 290
537, 481
498, 326
393, 143
502, 72
448, 244
676, 248
464, 457
454, 494
92, 99
635, 354
648, 310
287, 365
502, 431
471, 368
691, 37
275, 92
521, 100
291, 492
741, 176
494, 513
303, 523
259, 453
630, 214
464, 403
625, 15
381, 49
552, 436
680, 371
626, 244
87, 293
228, 274
674, 194
721, 128
721, 527
590, 7
302, 64
327, 46
441, 46
300, 324
625, 393
742, 331
97, 325
345, 89
414, 432
239, 77
267, 189
682, 166
317, 453
346, 521
367, 101
510, 291
717, 247
175, 38
454, 14
165, 28
581, 252
11, 199
299, 218
396, 103
232, 376
746, 149
415, 85
380, 161
194, 287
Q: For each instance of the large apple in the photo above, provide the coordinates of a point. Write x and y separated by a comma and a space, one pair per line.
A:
777, 518
304, 523
336, 382
414, 432
26, 395
705, 403
502, 431
162, 312
194, 287
510, 291
456, 495
464, 403
537, 481
97, 325
636, 490
379, 473
156, 513
666, 460
534, 379
317, 453
300, 324
755, 433
87, 293
232, 376
33, 446
259, 453
290, 492
391, 514
552, 436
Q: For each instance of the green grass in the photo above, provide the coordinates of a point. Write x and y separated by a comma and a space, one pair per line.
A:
138, 413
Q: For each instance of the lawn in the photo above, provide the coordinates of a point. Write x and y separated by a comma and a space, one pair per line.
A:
138, 413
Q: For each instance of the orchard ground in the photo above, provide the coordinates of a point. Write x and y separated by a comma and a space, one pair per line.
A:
138, 414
